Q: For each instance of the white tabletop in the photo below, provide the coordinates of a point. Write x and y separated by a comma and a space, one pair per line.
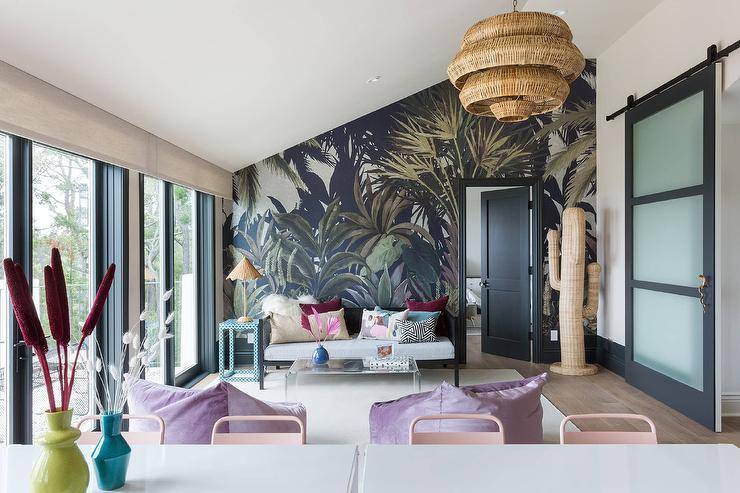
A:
206, 468
552, 468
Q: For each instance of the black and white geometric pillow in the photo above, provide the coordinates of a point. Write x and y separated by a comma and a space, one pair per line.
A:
412, 332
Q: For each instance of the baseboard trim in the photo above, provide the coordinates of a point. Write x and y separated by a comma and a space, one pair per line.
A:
610, 355
731, 404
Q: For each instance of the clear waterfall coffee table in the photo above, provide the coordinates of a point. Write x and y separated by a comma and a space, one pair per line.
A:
305, 366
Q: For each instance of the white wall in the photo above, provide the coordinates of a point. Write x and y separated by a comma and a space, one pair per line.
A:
668, 40
730, 318
472, 229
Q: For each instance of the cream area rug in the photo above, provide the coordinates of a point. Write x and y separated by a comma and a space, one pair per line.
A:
338, 406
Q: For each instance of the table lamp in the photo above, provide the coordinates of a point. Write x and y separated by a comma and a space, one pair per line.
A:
244, 271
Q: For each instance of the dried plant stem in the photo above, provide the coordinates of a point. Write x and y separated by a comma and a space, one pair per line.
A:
47, 380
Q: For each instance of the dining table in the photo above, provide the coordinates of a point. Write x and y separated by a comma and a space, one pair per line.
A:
670, 468
210, 468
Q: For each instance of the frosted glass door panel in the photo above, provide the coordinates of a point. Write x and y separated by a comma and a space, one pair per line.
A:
668, 148
668, 335
668, 241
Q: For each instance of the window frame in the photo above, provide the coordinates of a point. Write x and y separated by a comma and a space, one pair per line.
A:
204, 270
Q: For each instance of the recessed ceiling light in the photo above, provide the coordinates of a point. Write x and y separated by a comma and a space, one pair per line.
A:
373, 80
559, 12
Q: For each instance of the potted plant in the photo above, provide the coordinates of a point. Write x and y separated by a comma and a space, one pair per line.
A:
61, 466
320, 354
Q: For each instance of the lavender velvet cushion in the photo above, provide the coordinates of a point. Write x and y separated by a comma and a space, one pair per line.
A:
241, 404
189, 415
517, 404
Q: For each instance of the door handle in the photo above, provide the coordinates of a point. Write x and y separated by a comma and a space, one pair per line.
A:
483, 284
703, 285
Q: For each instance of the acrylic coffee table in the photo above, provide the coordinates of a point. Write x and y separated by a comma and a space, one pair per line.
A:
354, 366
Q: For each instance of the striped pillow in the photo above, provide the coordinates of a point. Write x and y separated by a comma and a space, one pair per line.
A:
411, 332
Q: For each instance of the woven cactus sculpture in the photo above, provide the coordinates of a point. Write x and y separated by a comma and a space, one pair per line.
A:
567, 276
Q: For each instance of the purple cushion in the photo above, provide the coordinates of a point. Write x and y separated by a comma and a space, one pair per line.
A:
188, 415
241, 404
517, 404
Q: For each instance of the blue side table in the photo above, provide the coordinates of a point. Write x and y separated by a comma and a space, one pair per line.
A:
232, 374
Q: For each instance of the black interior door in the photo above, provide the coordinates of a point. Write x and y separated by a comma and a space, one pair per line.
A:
505, 278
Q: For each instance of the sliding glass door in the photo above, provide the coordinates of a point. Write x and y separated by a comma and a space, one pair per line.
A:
61, 218
4, 312
152, 254
670, 141
170, 262
185, 326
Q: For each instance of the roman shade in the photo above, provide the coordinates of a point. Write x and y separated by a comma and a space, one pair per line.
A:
39, 111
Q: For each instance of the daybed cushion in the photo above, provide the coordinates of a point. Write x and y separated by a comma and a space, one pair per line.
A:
517, 404
360, 348
189, 415
285, 330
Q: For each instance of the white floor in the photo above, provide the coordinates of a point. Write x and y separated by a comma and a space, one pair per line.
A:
338, 405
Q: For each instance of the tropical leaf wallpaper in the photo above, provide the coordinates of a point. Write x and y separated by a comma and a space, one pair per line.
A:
368, 210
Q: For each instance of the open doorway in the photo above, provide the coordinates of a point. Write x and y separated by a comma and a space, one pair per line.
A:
501, 266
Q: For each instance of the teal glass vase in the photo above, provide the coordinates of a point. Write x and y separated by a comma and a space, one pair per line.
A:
111, 454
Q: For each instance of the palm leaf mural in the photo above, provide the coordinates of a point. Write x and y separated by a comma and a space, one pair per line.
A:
315, 263
579, 152
376, 217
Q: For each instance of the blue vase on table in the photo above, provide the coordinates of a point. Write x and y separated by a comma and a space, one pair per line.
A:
111, 454
320, 355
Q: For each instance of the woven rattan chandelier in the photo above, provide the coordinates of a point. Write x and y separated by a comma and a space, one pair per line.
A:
516, 65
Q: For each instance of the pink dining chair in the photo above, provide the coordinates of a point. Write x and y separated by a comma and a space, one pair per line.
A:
608, 437
456, 437
259, 438
132, 437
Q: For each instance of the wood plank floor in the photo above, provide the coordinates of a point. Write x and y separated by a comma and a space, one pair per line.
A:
607, 392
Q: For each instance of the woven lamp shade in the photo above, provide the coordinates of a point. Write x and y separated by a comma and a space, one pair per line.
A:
244, 271
516, 65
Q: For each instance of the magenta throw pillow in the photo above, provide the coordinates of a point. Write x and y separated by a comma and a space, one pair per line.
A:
437, 305
327, 306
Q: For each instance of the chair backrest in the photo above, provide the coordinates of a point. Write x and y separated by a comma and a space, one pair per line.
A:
456, 437
132, 437
608, 437
259, 438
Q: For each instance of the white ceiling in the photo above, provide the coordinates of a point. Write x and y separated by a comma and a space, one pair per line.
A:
234, 81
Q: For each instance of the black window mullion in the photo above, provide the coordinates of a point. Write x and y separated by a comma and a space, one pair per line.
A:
19, 217
206, 281
168, 264
110, 233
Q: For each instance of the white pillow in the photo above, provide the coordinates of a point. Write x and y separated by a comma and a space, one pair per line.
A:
381, 324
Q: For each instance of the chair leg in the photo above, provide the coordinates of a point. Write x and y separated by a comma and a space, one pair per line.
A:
457, 374
261, 371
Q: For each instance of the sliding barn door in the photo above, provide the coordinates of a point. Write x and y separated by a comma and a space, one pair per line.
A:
670, 299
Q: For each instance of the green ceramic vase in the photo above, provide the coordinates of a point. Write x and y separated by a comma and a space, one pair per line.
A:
61, 468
